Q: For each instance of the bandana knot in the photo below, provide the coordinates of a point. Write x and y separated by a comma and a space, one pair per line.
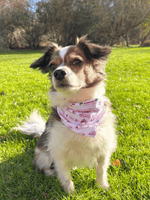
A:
83, 118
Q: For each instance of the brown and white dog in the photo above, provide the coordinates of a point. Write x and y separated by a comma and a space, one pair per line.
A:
77, 75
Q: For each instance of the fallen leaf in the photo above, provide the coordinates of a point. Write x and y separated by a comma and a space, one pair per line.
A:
117, 163
4, 138
7, 179
46, 195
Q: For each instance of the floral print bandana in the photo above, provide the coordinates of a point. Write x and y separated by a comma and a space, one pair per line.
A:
83, 118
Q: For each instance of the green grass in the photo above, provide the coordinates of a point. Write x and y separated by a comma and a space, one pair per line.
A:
25, 89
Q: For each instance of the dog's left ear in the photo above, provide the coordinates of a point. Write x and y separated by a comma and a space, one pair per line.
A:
93, 51
42, 63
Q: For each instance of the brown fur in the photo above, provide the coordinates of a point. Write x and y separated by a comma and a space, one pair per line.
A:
59, 149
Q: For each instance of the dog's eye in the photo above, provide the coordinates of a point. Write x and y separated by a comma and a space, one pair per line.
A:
52, 66
77, 62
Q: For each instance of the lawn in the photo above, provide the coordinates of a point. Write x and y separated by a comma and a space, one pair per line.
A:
23, 89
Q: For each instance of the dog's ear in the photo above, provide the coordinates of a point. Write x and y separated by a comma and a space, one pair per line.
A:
42, 63
93, 51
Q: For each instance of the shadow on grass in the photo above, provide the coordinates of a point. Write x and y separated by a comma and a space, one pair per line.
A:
21, 180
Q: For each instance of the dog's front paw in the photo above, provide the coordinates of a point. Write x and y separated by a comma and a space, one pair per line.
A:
70, 187
49, 172
103, 184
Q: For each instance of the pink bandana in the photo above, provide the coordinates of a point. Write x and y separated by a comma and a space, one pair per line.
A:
83, 118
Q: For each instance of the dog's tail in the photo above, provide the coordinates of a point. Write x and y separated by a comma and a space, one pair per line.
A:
34, 126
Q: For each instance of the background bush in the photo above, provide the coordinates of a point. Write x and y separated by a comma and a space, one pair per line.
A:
146, 44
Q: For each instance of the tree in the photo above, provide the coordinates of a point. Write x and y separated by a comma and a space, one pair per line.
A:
65, 19
115, 18
105, 21
145, 30
10, 12
29, 27
31, 30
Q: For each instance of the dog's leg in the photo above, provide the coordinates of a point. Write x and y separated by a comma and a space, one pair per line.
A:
64, 176
43, 161
101, 171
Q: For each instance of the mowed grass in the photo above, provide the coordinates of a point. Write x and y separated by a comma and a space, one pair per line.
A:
23, 89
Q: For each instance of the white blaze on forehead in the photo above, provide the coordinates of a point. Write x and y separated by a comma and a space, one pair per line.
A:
63, 51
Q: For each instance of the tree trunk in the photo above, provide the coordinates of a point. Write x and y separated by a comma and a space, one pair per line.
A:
127, 39
144, 38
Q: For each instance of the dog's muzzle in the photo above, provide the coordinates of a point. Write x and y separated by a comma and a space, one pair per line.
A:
60, 74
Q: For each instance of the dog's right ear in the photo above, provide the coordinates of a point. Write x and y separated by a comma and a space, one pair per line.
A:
42, 63
93, 51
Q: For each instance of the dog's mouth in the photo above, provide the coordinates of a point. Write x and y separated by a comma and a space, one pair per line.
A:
64, 85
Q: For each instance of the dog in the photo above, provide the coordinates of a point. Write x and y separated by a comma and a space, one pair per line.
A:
80, 131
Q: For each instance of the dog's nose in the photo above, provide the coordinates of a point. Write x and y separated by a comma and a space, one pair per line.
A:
59, 74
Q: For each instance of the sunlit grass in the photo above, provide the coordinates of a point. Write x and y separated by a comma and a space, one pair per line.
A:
23, 89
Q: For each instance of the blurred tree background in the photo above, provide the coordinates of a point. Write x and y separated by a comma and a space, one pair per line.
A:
32, 23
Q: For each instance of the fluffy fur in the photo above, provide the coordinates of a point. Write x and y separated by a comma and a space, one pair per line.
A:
77, 77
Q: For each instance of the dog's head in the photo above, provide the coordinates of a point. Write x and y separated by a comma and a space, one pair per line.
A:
74, 67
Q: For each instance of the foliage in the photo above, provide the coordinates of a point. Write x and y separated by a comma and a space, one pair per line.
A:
16, 40
146, 43
65, 19
145, 30
105, 21
116, 18
27, 24
24, 89
10, 12
32, 30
